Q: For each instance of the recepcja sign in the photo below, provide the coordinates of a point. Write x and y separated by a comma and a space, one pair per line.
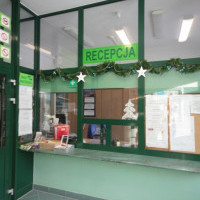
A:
4, 36
110, 53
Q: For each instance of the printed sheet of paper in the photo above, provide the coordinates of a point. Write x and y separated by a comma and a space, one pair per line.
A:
157, 121
195, 104
25, 97
25, 124
182, 137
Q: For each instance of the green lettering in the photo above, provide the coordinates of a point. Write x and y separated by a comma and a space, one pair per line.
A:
94, 55
132, 52
100, 57
112, 52
125, 55
88, 56
119, 55
106, 54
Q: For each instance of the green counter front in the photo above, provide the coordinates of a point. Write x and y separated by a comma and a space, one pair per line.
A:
117, 176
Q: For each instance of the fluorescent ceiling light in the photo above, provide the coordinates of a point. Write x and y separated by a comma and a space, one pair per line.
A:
123, 37
157, 19
73, 32
185, 29
41, 49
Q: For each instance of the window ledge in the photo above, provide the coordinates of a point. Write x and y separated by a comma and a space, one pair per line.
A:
132, 159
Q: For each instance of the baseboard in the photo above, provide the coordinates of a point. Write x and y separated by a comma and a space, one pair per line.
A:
22, 191
64, 193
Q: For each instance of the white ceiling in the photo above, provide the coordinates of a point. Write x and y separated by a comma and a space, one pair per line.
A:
41, 7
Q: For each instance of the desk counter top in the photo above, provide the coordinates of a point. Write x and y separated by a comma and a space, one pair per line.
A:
132, 159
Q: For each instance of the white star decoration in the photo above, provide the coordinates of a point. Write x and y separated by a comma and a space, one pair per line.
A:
141, 72
81, 77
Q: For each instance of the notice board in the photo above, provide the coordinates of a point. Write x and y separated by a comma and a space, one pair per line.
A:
173, 123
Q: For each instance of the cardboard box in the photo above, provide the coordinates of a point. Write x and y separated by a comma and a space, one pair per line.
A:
48, 145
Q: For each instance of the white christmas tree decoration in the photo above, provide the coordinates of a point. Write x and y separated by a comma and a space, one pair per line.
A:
129, 111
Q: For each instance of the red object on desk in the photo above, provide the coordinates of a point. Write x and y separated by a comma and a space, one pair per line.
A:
60, 130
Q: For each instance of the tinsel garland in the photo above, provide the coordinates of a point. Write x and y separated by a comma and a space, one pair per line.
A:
176, 64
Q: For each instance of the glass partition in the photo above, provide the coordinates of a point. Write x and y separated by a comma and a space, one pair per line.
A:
58, 109
110, 96
59, 41
163, 23
124, 136
109, 32
27, 44
94, 134
172, 112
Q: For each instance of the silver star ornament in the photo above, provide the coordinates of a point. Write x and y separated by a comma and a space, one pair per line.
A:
81, 77
141, 72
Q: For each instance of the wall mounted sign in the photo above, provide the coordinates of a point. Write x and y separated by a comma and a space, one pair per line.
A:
73, 83
5, 52
4, 36
26, 79
5, 21
110, 53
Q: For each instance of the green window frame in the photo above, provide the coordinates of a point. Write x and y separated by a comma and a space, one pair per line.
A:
141, 88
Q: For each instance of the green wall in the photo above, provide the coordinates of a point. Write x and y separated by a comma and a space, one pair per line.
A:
114, 181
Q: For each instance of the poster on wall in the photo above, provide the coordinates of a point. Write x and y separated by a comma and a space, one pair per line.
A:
182, 133
25, 123
25, 97
156, 121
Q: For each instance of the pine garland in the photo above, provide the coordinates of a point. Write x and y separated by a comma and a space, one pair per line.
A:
103, 68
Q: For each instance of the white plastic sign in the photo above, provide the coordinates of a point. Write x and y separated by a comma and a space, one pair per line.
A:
4, 36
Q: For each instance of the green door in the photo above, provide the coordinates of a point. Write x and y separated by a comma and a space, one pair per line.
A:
6, 137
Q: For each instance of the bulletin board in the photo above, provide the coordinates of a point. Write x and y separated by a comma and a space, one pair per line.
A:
173, 123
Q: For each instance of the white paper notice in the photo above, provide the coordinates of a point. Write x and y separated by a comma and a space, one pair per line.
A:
88, 112
25, 125
157, 121
195, 104
89, 99
181, 123
25, 97
89, 106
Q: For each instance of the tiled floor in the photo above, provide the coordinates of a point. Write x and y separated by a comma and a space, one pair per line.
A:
39, 195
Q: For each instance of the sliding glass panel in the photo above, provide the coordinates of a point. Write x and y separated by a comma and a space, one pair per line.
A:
124, 136
94, 134
110, 96
59, 41
27, 44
